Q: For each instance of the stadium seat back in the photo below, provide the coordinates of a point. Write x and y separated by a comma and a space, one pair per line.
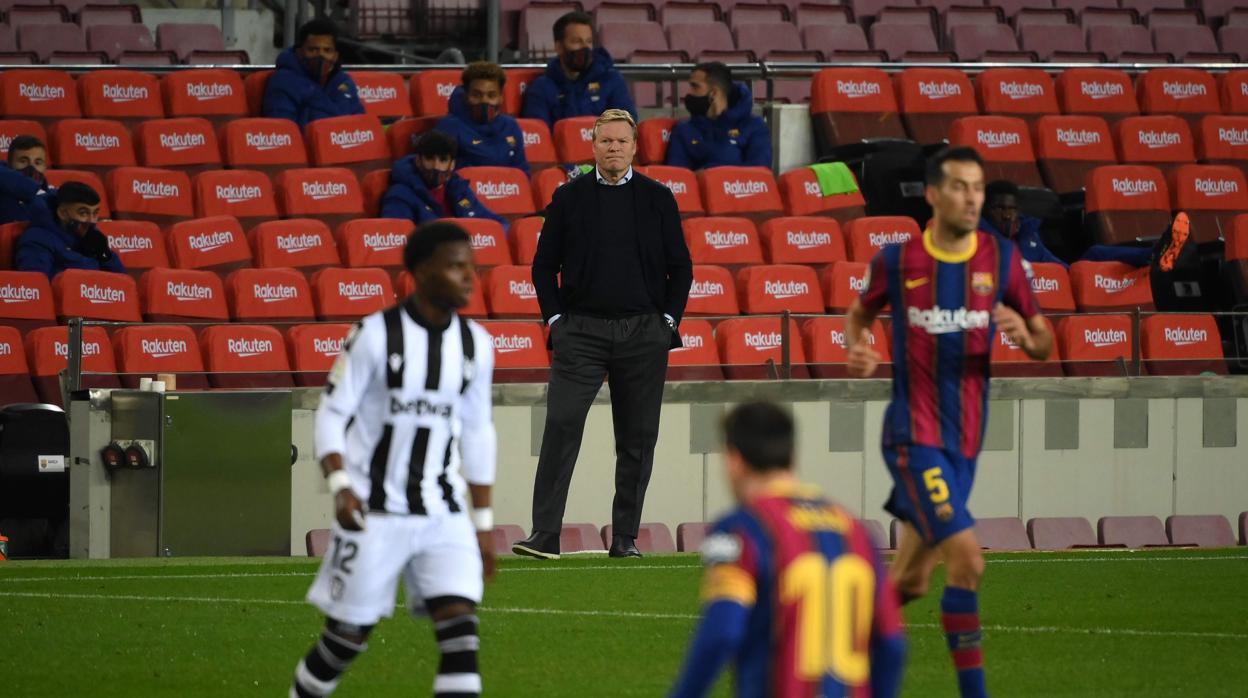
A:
153, 349
1050, 282
698, 356
216, 243
931, 99
373, 186
403, 135
139, 244
1212, 195
520, 354
1181, 345
811, 240
864, 237
1010, 361
1127, 203
1131, 531
186, 143
313, 349
684, 186
545, 182
15, 385
212, 93
1068, 148
524, 234
383, 94
1060, 533
714, 292
38, 94
489, 241
1155, 140
331, 194
355, 142
1004, 142
723, 240
26, 300
121, 94
150, 194
298, 243
374, 242
518, 81
245, 194
848, 105
653, 136
574, 140
96, 145
57, 178
254, 86
1002, 533
96, 295
1233, 91
842, 283
1110, 286
504, 190
245, 356
510, 293
1206, 531
47, 351
179, 295
740, 191
775, 288
1223, 140
1186, 92
430, 90
1095, 345
268, 145
268, 295
1106, 93
803, 196
539, 144
12, 128
751, 348
823, 339
350, 294
1026, 93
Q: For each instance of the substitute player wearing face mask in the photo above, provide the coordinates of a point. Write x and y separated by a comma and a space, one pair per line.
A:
581, 80
309, 82
62, 235
22, 181
721, 128
424, 186
484, 134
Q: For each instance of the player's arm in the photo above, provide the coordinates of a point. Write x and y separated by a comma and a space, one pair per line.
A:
1018, 315
888, 642
344, 389
861, 315
479, 448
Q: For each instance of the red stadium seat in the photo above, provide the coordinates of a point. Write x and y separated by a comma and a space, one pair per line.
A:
374, 242
150, 194
245, 194
723, 240
1004, 142
1203, 531
9, 233
713, 292
121, 94
58, 177
350, 294
153, 349
824, 341
1131, 531
510, 293
802, 196
254, 86
1109, 286
1223, 140
864, 237
848, 105
268, 295
520, 354
313, 350
38, 94
403, 135
331, 194
188, 144
1212, 195
357, 143
1106, 93
518, 81
430, 90
1181, 345
182, 295
775, 288
268, 145
1008, 360
139, 244
12, 128
810, 240
212, 93
751, 348
26, 300
539, 145
299, 243
697, 358
96, 295
545, 182
1050, 282
1184, 92
524, 235
95, 145
1237, 240
740, 191
1095, 345
931, 99
574, 139
1068, 148
684, 186
1233, 90
653, 135
213, 244
15, 385
245, 356
1127, 204
373, 186
842, 283
47, 352
383, 94
1026, 93
489, 241
504, 190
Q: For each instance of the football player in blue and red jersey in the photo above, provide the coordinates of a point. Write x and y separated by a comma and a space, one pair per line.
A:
794, 594
951, 290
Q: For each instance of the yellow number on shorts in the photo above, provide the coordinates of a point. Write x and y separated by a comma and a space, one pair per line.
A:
835, 607
936, 486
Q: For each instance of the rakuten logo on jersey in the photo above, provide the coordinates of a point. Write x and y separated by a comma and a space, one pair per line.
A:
676, 186
1217, 187
803, 240
101, 295
124, 244
1235, 137
740, 189
40, 93
358, 291
883, 239
351, 139
61, 349
182, 291
523, 290
1101, 90
763, 341
161, 348
208, 91
725, 240
1021, 90
178, 142
857, 89
785, 289
374, 94
273, 293
384, 242
1183, 90
497, 190
1134, 187
319, 191
1112, 284
1104, 338
446, 88
706, 289
298, 242
11, 293
1077, 138
244, 348
939, 90
96, 142
509, 343
207, 242
1185, 336
1159, 139
269, 141
937, 320
238, 193
125, 93
154, 190
998, 139
328, 346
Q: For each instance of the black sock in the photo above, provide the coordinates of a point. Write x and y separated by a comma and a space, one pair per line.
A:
318, 672
458, 641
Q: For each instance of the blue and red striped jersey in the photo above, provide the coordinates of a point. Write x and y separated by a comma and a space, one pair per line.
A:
943, 334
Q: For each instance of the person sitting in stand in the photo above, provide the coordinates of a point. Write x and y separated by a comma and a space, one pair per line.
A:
722, 128
22, 179
484, 134
62, 235
309, 82
424, 186
581, 80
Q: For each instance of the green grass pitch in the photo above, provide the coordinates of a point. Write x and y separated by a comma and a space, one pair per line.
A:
1098, 623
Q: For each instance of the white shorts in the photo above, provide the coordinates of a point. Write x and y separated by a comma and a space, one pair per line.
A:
359, 575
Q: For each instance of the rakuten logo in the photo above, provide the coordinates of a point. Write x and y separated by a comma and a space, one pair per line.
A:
1134, 187
207, 242
1102, 90
740, 189
358, 291
785, 289
244, 348
1104, 338
95, 142
522, 289
1217, 187
351, 139
1233, 136
446, 88
319, 191
506, 344
998, 139
858, 284
208, 91
1044, 285
806, 241
101, 295
383, 242
481, 241
857, 89
531, 138
1159, 139
238, 193
939, 90
88, 348
178, 142
18, 294
1005, 341
183, 291
1021, 90
690, 341
298, 243
763, 341
372, 95
122, 244
725, 240
676, 186
6, 349
269, 141
587, 135
328, 346
40, 93
1183, 90
155, 190
5, 142
706, 289
497, 190
937, 320
838, 338
896, 237
1111, 284
272, 293
125, 93
160, 348
1185, 336
1077, 138
812, 189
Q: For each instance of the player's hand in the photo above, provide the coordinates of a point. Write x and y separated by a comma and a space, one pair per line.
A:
863, 360
1013, 325
486, 543
349, 510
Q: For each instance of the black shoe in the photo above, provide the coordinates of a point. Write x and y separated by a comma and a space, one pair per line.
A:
623, 546
541, 545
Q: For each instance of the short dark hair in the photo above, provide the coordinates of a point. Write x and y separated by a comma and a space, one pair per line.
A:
435, 143
935, 173
762, 433
717, 75
24, 142
426, 240
321, 26
72, 193
574, 17
999, 188
483, 70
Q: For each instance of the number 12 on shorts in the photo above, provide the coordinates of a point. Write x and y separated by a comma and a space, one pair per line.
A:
937, 489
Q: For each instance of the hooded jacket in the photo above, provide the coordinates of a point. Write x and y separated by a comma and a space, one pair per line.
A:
293, 94
18, 195
555, 96
499, 143
1028, 239
408, 197
735, 137
46, 248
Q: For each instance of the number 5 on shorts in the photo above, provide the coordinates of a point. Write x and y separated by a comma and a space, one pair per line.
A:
936, 487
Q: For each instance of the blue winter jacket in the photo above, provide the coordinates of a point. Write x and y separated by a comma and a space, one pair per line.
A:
18, 195
46, 248
1028, 239
408, 197
292, 94
736, 137
499, 143
554, 96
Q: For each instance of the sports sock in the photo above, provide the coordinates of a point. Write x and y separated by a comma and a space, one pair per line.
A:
959, 609
457, 673
318, 672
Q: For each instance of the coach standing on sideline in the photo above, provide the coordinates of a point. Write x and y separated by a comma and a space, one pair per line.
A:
615, 236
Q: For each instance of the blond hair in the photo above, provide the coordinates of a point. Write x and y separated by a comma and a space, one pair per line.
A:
613, 115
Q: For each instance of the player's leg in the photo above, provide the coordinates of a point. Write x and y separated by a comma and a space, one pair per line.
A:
455, 627
964, 567
318, 673
911, 570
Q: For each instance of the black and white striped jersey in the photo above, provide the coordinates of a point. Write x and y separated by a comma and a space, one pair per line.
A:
407, 405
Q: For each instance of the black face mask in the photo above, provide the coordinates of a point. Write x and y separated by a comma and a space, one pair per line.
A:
318, 68
483, 113
76, 228
578, 61
697, 105
433, 178
33, 173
